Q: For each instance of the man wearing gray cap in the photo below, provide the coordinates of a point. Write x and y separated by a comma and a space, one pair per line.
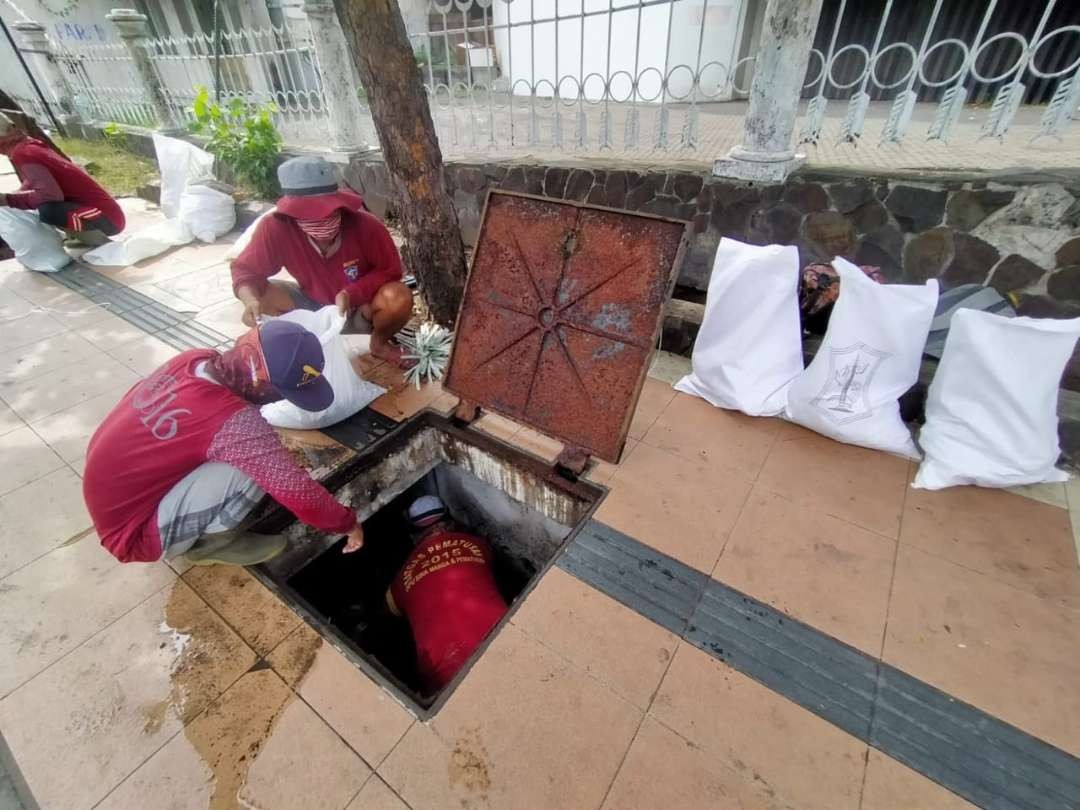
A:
337, 252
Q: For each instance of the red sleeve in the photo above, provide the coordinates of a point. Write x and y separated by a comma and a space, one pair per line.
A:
257, 263
246, 441
382, 254
38, 186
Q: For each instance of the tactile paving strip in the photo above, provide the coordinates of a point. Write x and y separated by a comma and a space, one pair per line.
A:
178, 329
962, 748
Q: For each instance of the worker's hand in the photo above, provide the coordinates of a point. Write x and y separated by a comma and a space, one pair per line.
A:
252, 305
355, 540
343, 303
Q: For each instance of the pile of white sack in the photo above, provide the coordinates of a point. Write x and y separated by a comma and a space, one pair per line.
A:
193, 208
991, 410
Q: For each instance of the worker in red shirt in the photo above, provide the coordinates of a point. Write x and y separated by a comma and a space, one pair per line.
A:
447, 591
337, 252
178, 465
64, 195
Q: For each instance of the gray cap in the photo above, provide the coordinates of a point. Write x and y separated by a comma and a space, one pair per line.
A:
307, 176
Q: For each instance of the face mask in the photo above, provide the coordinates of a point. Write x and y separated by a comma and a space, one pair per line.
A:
243, 369
321, 230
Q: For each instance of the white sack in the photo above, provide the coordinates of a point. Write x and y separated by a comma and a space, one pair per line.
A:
180, 164
37, 246
351, 393
241, 243
991, 412
206, 212
750, 343
142, 244
869, 357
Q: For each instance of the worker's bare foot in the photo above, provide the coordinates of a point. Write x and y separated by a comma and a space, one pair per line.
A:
391, 353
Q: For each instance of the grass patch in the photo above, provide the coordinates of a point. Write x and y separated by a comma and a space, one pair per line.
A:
119, 172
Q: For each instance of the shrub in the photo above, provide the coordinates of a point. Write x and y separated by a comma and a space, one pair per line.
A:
243, 137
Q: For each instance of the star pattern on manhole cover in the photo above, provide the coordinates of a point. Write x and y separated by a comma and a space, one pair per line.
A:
559, 316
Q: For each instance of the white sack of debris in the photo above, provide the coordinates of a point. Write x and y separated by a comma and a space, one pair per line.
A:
750, 343
991, 412
870, 356
351, 392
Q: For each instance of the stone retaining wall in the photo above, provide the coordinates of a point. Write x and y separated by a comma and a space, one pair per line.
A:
1017, 232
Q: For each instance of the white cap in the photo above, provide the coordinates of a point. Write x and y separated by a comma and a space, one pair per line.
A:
426, 510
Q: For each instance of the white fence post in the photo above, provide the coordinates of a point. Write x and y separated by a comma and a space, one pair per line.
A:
336, 74
37, 46
135, 33
787, 36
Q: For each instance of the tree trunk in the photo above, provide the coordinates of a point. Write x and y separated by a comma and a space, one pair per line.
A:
433, 251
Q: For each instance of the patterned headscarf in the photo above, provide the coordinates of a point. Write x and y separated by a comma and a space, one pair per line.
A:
322, 230
243, 369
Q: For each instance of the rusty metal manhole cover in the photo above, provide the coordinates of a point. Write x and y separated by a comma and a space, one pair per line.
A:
561, 314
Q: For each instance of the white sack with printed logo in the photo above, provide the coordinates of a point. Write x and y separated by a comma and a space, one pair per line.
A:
351, 392
750, 343
870, 356
991, 412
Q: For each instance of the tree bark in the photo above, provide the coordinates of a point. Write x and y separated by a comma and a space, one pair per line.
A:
433, 250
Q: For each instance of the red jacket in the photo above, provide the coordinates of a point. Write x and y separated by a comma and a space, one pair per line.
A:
30, 156
447, 591
366, 259
165, 427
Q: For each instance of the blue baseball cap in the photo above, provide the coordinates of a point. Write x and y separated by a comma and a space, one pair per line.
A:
294, 362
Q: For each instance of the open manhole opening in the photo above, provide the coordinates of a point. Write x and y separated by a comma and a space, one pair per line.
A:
519, 504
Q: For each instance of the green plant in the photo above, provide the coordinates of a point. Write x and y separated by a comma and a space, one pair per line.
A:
114, 134
243, 137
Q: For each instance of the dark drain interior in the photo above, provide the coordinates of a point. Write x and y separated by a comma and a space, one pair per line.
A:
519, 504
349, 590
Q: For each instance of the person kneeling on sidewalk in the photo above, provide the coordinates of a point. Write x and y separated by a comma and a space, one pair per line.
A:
64, 195
337, 252
179, 464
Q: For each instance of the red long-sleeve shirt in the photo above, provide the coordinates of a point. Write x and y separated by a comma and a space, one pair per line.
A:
165, 427
49, 177
366, 260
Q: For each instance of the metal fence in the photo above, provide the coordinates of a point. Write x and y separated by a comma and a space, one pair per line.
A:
105, 85
641, 76
269, 65
265, 66
924, 58
647, 75
578, 74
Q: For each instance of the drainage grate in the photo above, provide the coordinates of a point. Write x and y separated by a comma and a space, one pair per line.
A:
178, 329
361, 429
956, 745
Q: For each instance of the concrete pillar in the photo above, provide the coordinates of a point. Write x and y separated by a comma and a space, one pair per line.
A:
787, 36
336, 74
135, 33
50, 75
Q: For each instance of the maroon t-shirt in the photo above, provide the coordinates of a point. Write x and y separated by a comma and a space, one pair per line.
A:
366, 260
75, 184
447, 591
165, 427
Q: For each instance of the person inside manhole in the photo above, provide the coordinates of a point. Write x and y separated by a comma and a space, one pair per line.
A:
337, 252
446, 590
63, 194
179, 464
